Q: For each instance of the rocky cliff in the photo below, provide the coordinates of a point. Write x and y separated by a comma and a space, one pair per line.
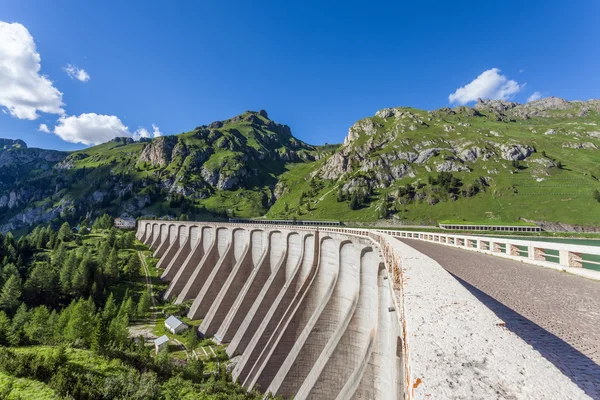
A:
225, 167
497, 160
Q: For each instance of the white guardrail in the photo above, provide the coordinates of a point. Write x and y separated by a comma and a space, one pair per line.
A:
565, 256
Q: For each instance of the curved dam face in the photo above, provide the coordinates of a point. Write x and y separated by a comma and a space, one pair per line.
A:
307, 313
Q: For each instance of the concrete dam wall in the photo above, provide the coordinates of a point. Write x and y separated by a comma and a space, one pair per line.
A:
310, 313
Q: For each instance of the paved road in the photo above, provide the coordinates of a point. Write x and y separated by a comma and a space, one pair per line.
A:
557, 313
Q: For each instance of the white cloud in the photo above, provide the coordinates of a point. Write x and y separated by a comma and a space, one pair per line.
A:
23, 91
44, 128
75, 72
141, 132
489, 85
534, 96
155, 131
90, 128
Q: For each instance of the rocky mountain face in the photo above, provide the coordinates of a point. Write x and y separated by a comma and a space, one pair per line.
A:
400, 160
497, 161
212, 169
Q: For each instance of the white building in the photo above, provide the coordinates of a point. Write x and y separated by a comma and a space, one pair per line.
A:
174, 325
125, 223
160, 343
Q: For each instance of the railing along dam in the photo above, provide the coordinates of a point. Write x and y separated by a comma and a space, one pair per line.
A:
312, 312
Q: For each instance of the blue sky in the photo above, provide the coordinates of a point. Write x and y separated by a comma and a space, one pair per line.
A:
317, 66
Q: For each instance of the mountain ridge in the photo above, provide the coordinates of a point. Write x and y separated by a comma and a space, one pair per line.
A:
401, 164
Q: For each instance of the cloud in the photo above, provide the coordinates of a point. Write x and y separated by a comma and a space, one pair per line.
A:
90, 128
141, 132
44, 128
155, 131
534, 96
489, 85
23, 91
75, 72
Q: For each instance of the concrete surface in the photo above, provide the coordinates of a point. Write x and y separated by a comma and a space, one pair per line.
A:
557, 314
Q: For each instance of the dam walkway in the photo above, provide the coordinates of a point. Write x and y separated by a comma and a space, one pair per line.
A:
558, 314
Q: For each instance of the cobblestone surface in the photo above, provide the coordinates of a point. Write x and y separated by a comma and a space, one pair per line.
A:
556, 313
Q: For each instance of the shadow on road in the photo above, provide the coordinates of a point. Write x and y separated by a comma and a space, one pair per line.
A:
583, 371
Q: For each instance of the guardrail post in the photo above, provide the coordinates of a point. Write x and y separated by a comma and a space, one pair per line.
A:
570, 259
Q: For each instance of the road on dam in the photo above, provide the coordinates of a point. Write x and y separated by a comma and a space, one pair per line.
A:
558, 314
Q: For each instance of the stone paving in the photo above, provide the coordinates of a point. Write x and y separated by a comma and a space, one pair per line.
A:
556, 313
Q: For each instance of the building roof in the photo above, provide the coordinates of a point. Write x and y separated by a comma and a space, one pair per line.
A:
129, 219
173, 322
161, 340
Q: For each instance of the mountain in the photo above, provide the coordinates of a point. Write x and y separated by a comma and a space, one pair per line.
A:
227, 167
495, 162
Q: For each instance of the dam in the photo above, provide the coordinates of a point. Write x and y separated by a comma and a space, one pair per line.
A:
311, 312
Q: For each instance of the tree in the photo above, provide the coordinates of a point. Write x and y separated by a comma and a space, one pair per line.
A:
81, 323
16, 335
99, 337
110, 309
127, 308
118, 331
597, 195
81, 277
4, 328
42, 286
354, 201
65, 233
144, 304
60, 255
559, 165
66, 273
111, 268
36, 329
133, 267
10, 295
340, 195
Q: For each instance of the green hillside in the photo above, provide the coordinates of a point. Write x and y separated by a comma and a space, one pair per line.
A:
226, 168
496, 162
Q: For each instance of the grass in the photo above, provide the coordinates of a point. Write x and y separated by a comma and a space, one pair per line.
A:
23, 388
531, 191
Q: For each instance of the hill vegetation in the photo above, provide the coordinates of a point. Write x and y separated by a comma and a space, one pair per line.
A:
66, 304
497, 162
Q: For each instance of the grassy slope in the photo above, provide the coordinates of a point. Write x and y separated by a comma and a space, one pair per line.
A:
563, 196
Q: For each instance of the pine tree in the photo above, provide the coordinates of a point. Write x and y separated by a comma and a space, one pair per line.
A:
36, 330
16, 335
10, 295
127, 308
81, 277
110, 309
66, 273
81, 323
65, 233
597, 195
118, 330
144, 304
111, 268
60, 255
133, 267
99, 337
4, 328
354, 201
